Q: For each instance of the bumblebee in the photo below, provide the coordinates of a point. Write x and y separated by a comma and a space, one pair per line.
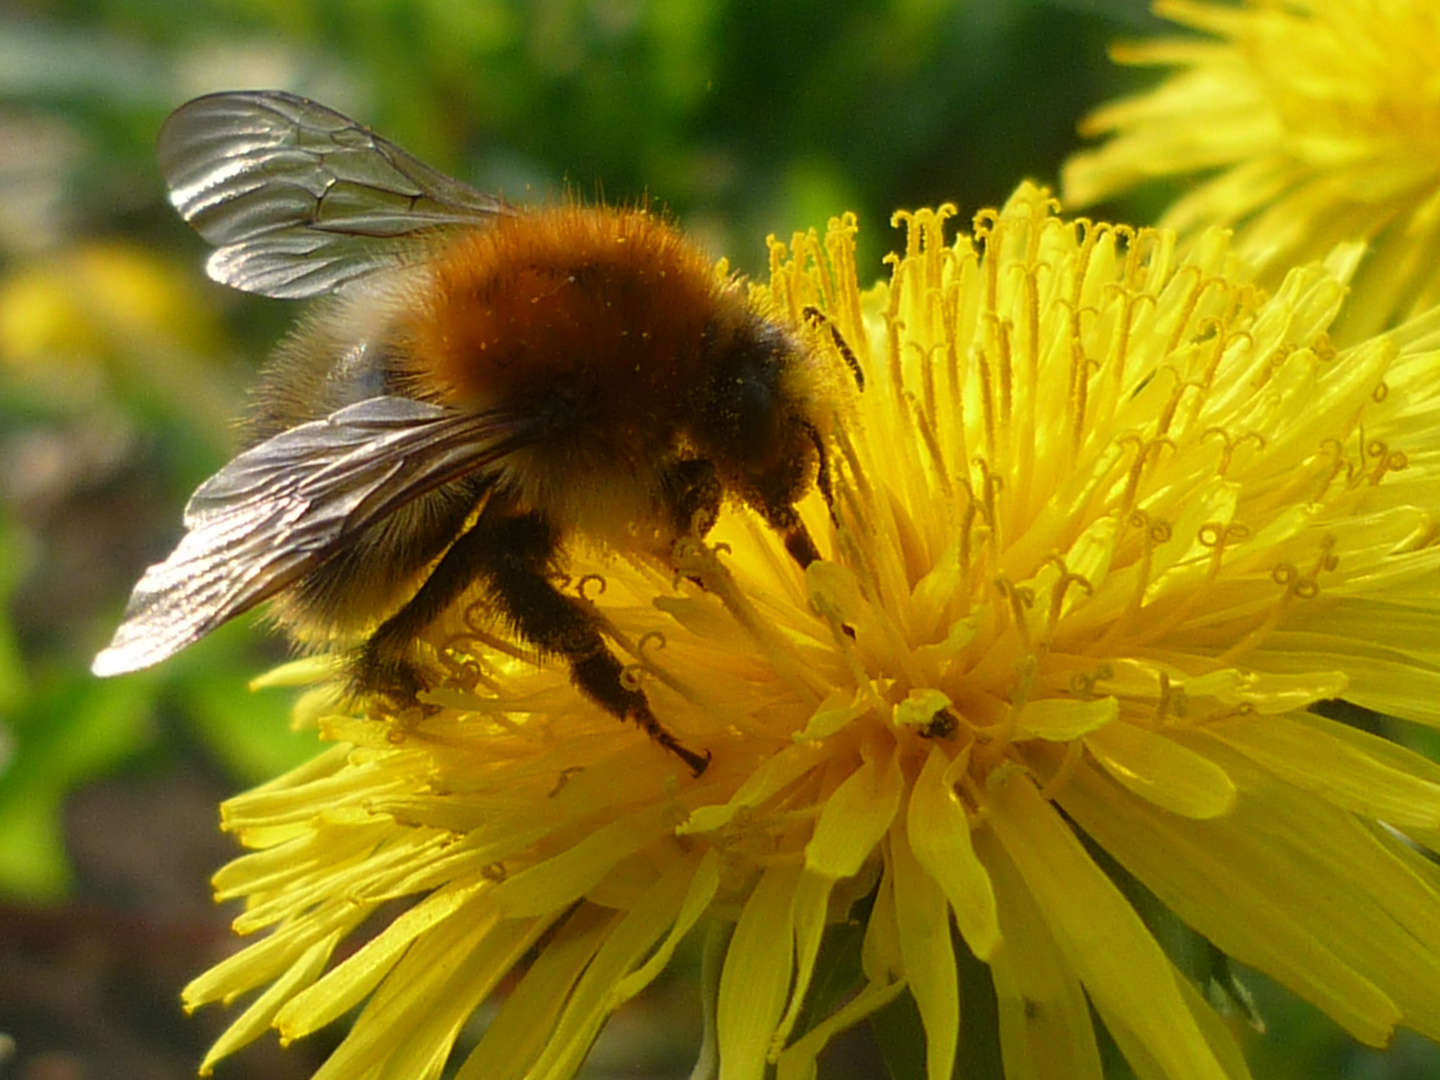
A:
477, 384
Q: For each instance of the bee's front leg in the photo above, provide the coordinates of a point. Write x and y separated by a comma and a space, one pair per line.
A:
515, 556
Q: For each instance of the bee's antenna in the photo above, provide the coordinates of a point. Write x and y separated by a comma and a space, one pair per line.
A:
822, 471
815, 317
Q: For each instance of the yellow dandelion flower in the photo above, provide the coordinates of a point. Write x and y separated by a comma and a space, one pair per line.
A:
1108, 520
1313, 123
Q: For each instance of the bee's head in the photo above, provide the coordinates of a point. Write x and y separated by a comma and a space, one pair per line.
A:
755, 420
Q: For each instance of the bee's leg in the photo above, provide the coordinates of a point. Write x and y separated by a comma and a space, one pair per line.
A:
800, 544
691, 492
692, 495
515, 556
798, 541
385, 665
780, 514
520, 553
815, 317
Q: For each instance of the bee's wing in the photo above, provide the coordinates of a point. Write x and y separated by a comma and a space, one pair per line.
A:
282, 508
297, 198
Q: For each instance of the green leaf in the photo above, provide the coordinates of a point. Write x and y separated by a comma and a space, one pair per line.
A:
75, 728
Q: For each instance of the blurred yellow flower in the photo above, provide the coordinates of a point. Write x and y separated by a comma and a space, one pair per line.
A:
97, 300
1109, 520
77, 324
1309, 123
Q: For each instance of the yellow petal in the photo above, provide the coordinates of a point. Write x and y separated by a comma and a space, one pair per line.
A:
773, 774
346, 985
1121, 966
517, 1035
939, 832
923, 919
756, 981
1046, 1032
1064, 719
596, 992
1225, 883
569, 875
797, 1061
705, 881
256, 1019
855, 817
812, 908
1344, 769
1161, 770
880, 955
410, 1023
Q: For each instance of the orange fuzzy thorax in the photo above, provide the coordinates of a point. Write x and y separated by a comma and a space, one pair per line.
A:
613, 302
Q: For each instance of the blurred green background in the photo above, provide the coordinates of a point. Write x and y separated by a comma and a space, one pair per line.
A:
122, 367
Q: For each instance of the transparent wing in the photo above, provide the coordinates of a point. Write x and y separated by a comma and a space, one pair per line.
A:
297, 198
282, 508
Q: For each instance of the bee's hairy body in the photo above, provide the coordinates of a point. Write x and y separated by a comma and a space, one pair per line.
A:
458, 407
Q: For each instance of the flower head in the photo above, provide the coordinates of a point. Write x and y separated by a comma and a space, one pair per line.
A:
1314, 123
1107, 520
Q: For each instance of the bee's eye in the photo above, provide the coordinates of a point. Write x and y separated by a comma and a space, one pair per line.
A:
756, 424
743, 417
